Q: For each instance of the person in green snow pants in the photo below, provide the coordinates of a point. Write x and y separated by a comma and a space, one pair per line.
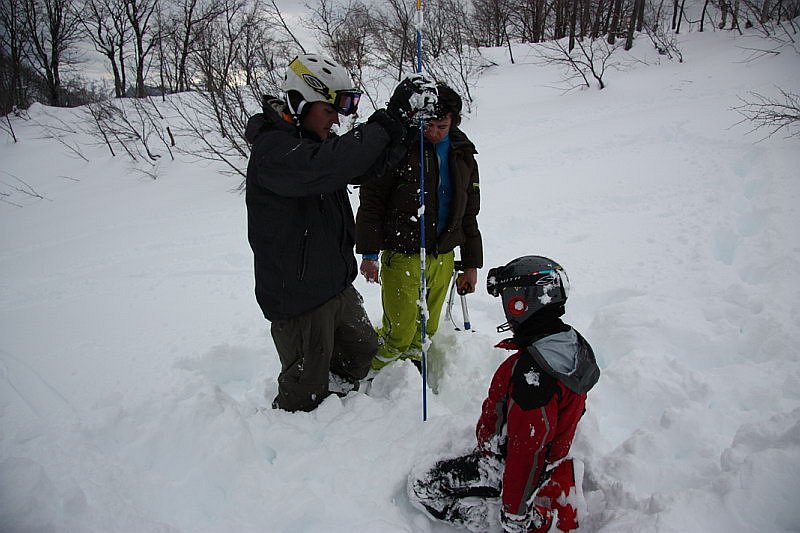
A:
387, 227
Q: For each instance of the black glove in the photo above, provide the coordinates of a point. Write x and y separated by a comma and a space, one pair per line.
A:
393, 126
415, 97
533, 519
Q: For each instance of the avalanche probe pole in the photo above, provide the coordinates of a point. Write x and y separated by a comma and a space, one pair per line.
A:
423, 285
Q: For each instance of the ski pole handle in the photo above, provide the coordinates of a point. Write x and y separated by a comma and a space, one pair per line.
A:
465, 312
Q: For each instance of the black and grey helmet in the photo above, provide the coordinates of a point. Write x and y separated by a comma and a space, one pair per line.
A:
528, 284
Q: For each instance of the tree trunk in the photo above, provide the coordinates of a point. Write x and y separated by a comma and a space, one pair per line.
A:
674, 13
597, 18
140, 92
541, 10
558, 27
614, 28
640, 16
607, 22
680, 17
764, 12
572, 23
122, 72
703, 15
735, 17
723, 7
119, 88
586, 18
631, 25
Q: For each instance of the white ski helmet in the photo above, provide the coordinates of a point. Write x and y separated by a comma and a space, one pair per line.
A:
527, 285
315, 78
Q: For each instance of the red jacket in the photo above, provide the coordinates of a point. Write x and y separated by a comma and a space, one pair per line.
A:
530, 418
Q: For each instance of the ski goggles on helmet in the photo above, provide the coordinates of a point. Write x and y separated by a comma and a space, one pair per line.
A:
346, 102
497, 280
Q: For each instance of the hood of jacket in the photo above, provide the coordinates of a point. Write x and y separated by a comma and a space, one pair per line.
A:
273, 115
568, 357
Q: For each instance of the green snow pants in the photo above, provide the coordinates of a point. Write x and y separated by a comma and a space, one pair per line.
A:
400, 279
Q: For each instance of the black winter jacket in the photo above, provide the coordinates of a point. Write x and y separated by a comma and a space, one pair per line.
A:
388, 214
299, 219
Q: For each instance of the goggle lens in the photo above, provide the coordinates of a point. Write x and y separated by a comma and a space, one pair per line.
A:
346, 102
495, 282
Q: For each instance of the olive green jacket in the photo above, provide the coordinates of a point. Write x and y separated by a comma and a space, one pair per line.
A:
388, 216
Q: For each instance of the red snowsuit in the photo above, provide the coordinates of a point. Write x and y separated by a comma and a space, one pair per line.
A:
524, 436
530, 418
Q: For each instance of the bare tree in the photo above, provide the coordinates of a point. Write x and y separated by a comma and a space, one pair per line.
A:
490, 21
8, 127
12, 42
267, 45
215, 116
133, 126
53, 31
394, 39
140, 16
344, 31
190, 20
527, 19
589, 60
106, 25
772, 113
273, 11
613, 30
635, 22
456, 62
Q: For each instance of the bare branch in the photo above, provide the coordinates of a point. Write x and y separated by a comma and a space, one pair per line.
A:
773, 114
25, 189
8, 128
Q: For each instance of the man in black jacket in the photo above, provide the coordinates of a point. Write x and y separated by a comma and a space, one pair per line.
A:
301, 227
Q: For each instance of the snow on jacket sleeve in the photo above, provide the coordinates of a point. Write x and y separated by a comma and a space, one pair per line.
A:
289, 166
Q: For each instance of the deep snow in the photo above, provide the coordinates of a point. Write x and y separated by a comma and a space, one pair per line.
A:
136, 371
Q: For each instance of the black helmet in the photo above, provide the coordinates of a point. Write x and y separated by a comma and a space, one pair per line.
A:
528, 285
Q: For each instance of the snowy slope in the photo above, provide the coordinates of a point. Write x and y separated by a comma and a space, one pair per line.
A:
136, 372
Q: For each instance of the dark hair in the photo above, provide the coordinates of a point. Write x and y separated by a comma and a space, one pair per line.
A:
449, 102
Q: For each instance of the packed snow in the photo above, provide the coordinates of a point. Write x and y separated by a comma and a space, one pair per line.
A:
136, 371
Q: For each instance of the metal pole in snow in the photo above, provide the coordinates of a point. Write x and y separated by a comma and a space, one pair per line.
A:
423, 286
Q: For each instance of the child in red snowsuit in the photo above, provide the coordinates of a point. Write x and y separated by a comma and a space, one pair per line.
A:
529, 417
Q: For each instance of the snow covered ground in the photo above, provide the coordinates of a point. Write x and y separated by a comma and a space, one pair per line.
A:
136, 371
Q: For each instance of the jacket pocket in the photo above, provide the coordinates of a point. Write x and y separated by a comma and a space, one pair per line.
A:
303, 259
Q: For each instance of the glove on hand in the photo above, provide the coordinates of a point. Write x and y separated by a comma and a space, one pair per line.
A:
414, 98
393, 126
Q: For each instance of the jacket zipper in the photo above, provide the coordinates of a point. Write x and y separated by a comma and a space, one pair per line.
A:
301, 269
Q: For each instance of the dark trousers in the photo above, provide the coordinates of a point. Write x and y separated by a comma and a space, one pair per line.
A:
335, 337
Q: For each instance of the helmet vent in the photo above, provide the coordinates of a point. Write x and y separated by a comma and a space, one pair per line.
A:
327, 71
